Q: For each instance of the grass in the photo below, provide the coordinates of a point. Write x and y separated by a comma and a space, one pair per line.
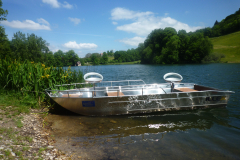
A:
229, 45
19, 102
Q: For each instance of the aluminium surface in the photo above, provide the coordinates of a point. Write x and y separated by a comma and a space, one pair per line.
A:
128, 99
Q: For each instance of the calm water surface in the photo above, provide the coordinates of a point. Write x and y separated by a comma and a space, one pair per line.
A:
198, 134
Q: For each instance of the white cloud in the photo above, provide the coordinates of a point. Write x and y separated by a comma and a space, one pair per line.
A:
75, 20
53, 3
56, 4
43, 21
67, 5
133, 41
28, 24
144, 22
114, 23
74, 45
121, 13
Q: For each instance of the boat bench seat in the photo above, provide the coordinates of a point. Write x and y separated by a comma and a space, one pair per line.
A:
114, 94
184, 90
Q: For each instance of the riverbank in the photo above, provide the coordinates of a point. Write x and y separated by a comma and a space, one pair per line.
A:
26, 136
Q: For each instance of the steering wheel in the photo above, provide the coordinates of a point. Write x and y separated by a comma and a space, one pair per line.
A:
93, 77
172, 77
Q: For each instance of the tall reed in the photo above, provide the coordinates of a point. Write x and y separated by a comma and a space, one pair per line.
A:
33, 77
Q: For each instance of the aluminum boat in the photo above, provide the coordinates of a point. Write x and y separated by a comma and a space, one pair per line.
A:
98, 97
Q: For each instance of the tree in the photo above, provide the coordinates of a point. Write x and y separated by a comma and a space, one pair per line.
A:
82, 61
70, 58
199, 47
59, 56
88, 55
104, 59
110, 53
3, 13
36, 47
170, 52
183, 45
19, 46
147, 55
31, 47
95, 59
216, 23
5, 50
4, 43
49, 59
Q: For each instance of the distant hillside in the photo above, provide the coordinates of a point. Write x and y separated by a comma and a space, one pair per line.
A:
229, 45
228, 25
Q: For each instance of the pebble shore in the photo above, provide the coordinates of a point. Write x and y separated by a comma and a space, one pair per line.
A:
30, 141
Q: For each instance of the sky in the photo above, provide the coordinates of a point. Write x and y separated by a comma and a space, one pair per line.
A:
96, 26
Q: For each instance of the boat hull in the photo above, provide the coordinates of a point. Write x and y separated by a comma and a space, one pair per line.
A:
143, 103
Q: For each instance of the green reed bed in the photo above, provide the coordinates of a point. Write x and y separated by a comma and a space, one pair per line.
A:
25, 81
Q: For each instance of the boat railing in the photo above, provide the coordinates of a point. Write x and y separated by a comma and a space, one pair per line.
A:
124, 82
77, 93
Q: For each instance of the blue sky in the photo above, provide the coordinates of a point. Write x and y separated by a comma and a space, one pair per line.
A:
95, 26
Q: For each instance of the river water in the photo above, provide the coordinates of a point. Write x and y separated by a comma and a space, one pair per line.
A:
197, 134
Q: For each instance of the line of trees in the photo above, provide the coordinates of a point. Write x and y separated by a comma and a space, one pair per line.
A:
97, 58
228, 25
167, 46
126, 56
119, 56
34, 48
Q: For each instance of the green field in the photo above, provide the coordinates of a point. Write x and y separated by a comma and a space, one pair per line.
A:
229, 45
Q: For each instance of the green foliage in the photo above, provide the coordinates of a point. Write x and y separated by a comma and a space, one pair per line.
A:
131, 55
4, 43
31, 47
110, 53
169, 47
58, 57
170, 52
126, 56
82, 61
104, 59
3, 13
147, 55
95, 59
70, 58
30, 77
5, 50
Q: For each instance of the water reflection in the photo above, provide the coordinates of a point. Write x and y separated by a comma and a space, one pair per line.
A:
130, 125
82, 135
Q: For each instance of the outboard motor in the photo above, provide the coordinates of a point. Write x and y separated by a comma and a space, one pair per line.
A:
172, 78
